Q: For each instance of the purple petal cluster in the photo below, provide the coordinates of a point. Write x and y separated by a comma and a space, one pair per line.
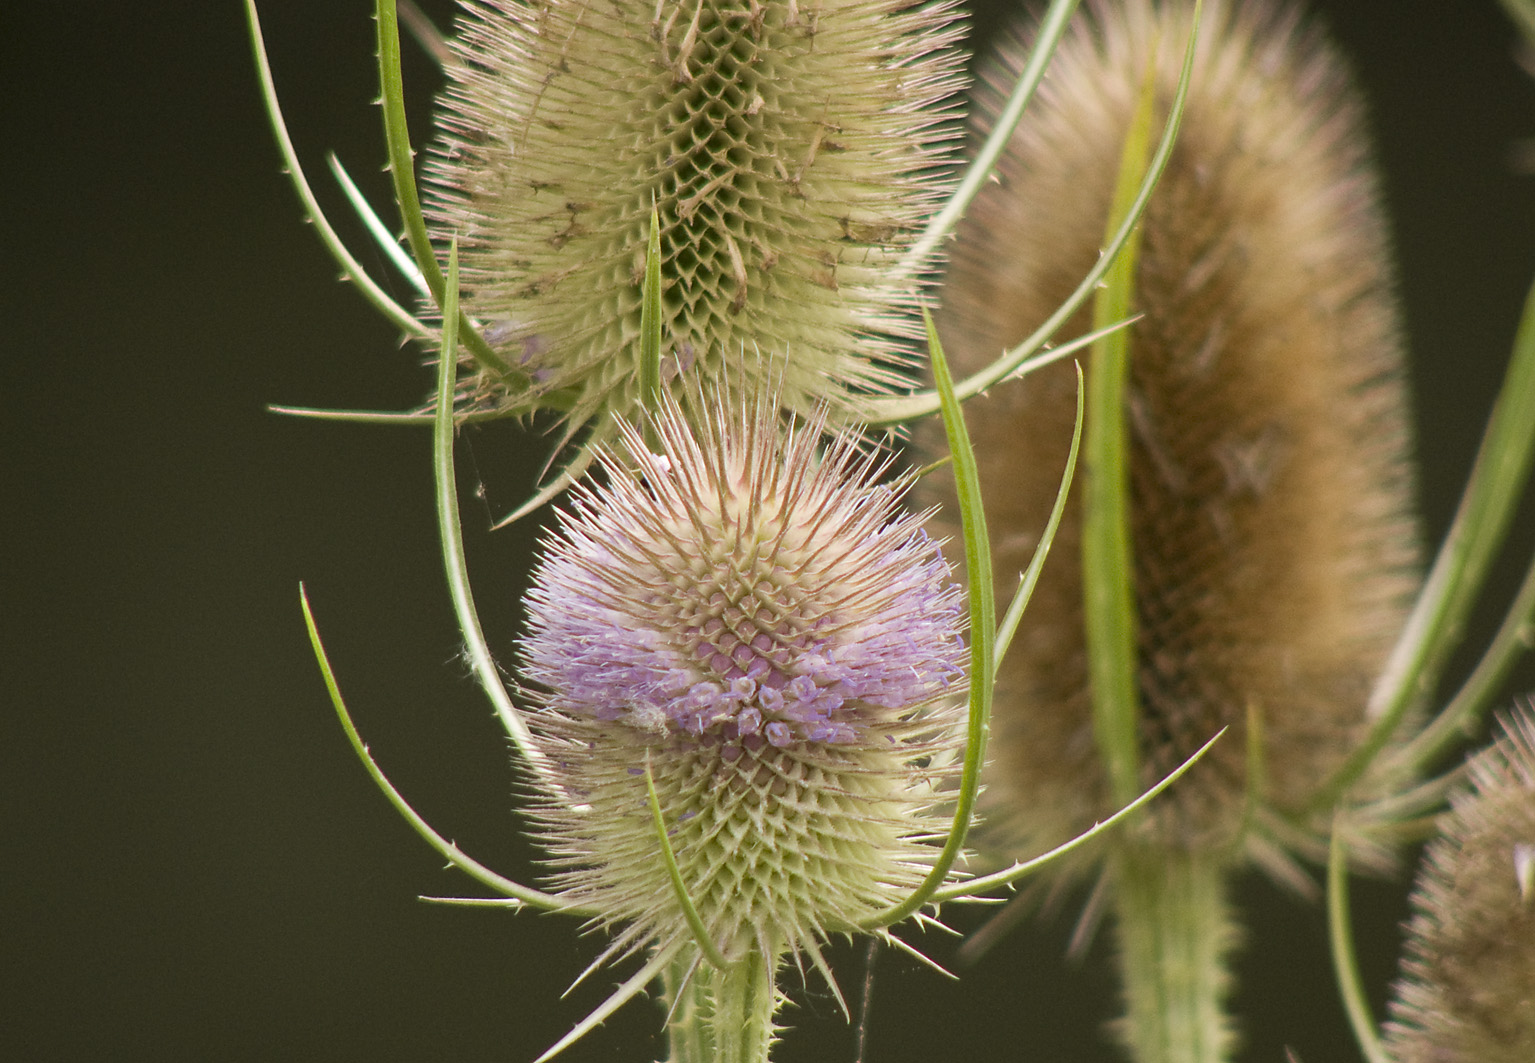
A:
744, 588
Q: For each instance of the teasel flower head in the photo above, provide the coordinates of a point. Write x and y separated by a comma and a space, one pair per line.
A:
1467, 990
789, 149
749, 620
1270, 493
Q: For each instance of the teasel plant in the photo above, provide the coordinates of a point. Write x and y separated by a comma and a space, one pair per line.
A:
746, 715
632, 419
743, 723
1245, 538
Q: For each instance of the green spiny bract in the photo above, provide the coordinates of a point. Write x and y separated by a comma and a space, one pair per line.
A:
790, 150
1272, 520
757, 625
1468, 987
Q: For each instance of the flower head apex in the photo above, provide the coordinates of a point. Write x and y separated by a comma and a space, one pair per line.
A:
741, 585
746, 618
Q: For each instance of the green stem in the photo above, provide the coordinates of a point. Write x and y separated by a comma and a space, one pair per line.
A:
725, 1015
686, 1030
1176, 931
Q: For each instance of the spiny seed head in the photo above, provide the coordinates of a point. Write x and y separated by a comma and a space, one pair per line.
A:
1468, 986
1272, 526
756, 621
789, 148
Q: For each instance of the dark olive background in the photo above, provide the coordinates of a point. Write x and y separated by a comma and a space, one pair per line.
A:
195, 865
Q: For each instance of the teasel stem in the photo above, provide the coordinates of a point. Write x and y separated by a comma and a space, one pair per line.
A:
1175, 930
1345, 964
1175, 925
718, 1009
686, 1032
722, 1015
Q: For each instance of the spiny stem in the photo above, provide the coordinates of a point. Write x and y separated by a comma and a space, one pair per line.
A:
722, 1015
1176, 931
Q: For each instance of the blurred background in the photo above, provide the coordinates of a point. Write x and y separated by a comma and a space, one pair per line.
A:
195, 865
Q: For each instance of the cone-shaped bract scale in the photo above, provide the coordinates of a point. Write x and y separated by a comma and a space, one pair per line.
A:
1272, 530
754, 619
1468, 987
790, 149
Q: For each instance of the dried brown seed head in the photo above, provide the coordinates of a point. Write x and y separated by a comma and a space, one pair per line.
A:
1273, 529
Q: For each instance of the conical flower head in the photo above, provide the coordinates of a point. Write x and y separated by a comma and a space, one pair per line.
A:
790, 150
755, 623
1270, 486
1468, 986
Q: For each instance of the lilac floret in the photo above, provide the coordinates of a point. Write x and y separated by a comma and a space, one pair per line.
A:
783, 636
